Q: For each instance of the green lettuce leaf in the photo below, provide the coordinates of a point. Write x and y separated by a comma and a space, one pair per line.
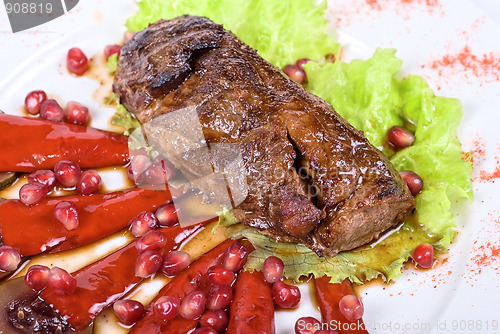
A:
124, 118
281, 31
112, 63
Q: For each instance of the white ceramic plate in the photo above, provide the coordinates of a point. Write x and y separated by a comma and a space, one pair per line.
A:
452, 43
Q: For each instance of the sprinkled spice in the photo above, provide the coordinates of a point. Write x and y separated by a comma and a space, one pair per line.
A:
485, 66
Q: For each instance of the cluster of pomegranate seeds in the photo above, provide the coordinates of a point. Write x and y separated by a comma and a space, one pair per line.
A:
423, 255
414, 182
273, 269
67, 214
215, 319
76, 113
33, 193
307, 325
167, 307
128, 311
220, 275
286, 296
67, 173
89, 182
219, 297
174, 262
43, 176
399, 137
9, 258
76, 61
144, 222
34, 100
61, 281
111, 50
153, 240
37, 277
148, 264
193, 305
351, 307
51, 111
166, 215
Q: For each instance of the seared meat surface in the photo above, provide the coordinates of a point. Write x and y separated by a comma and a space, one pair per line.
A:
312, 178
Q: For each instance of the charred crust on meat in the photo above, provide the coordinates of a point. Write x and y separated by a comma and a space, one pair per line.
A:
279, 127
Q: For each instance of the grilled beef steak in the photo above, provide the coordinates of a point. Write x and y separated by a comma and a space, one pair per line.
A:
312, 178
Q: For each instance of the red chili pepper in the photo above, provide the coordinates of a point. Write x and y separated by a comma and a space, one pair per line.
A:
28, 144
103, 282
329, 296
189, 280
34, 229
252, 310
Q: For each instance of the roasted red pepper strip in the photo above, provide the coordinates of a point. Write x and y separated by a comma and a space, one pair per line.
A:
252, 309
28, 144
103, 282
189, 280
328, 296
34, 229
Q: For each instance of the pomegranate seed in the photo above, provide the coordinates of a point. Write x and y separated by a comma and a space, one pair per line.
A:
9, 258
67, 173
413, 181
76, 113
147, 264
51, 110
43, 176
400, 138
167, 215
33, 101
204, 330
174, 262
138, 164
273, 269
89, 182
67, 214
220, 275
423, 255
295, 73
37, 277
32, 193
300, 64
128, 311
286, 296
153, 240
111, 50
167, 307
193, 305
216, 319
351, 308
307, 325
158, 172
144, 222
326, 331
61, 281
235, 257
77, 61
219, 297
